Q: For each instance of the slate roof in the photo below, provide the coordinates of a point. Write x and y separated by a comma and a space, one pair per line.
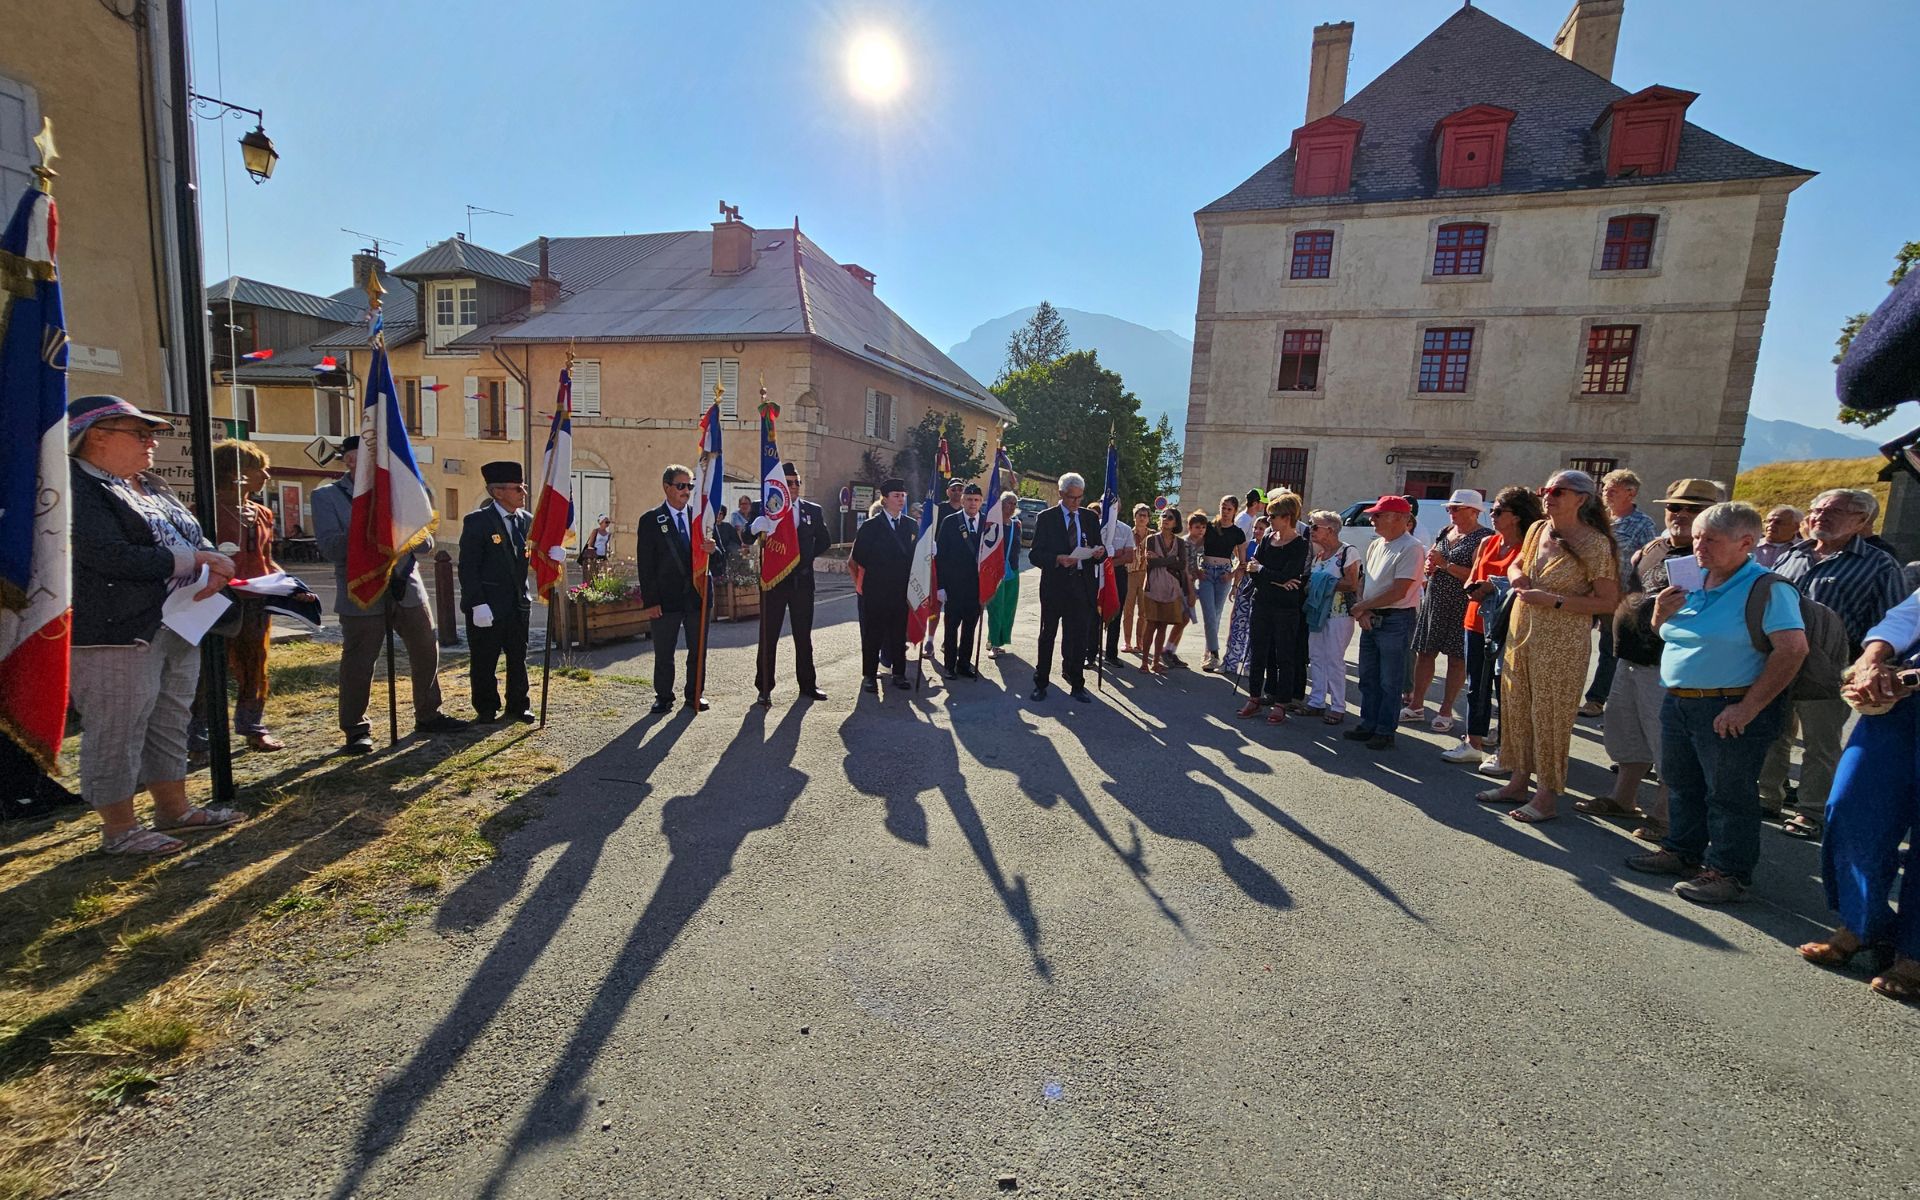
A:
399, 302
294, 365
457, 256
1552, 146
240, 290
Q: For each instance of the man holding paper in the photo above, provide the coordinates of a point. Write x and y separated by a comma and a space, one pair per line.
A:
1066, 541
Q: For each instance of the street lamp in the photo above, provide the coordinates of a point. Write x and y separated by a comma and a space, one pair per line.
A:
256, 148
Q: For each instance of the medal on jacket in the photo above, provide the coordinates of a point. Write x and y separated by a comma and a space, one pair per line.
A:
496, 539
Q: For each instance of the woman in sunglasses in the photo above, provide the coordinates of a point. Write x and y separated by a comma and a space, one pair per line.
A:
1568, 573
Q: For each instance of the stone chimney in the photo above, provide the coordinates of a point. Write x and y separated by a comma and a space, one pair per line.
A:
732, 242
366, 264
1590, 35
544, 287
1327, 76
860, 273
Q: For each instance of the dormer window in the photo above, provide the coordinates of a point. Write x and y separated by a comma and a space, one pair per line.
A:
1323, 156
1473, 146
1642, 132
453, 310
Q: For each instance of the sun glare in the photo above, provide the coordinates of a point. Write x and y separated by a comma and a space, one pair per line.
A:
876, 70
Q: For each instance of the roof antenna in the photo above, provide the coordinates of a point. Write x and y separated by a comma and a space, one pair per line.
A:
374, 247
473, 209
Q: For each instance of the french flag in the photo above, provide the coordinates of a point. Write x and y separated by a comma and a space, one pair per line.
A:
553, 508
36, 575
392, 512
923, 598
1110, 525
709, 493
994, 530
258, 356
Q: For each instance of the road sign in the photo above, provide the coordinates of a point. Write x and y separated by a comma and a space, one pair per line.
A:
321, 451
846, 498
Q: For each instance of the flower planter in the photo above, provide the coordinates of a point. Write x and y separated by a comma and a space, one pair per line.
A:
597, 623
738, 602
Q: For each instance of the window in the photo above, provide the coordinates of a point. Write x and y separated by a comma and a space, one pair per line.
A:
1609, 369
1323, 156
443, 311
1428, 485
586, 386
1629, 243
455, 310
1596, 467
1287, 468
493, 410
883, 418
1300, 360
330, 413
19, 122
249, 405
1473, 146
469, 306
410, 403
1643, 131
453, 501
1445, 355
1460, 249
1313, 254
726, 373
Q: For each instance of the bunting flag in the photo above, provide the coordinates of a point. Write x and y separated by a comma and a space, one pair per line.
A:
553, 507
780, 549
328, 363
36, 576
1110, 529
258, 355
923, 597
392, 511
993, 529
709, 494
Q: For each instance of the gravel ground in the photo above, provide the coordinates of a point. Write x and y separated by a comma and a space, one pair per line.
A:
955, 943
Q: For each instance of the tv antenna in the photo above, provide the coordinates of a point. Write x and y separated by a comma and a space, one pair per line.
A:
474, 209
374, 243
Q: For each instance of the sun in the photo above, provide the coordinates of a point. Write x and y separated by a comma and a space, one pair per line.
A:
876, 69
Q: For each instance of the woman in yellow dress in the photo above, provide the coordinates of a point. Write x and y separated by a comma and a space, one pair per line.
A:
1567, 574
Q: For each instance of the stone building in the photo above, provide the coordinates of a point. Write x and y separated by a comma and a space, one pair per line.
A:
1490, 262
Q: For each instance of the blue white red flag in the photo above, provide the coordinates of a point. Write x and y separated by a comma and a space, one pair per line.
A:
780, 548
994, 529
553, 507
392, 510
1110, 524
923, 596
36, 577
709, 493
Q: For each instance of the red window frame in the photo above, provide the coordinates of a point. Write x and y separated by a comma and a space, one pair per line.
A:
1446, 359
1287, 468
1301, 355
1609, 366
1630, 242
1460, 248
1312, 254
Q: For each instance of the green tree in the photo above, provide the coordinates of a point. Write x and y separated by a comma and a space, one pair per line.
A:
1063, 411
1041, 340
915, 463
1903, 261
1172, 460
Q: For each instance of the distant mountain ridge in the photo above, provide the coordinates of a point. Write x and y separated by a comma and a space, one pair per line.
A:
1155, 363
1790, 441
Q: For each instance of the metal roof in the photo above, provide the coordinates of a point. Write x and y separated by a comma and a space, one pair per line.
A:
1552, 145
239, 290
289, 366
457, 256
580, 263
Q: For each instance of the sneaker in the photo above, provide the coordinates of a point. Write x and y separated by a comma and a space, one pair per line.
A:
1463, 753
1210, 662
1662, 862
1711, 887
1592, 708
1492, 767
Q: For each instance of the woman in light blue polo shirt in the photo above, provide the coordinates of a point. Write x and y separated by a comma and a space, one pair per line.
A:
1725, 703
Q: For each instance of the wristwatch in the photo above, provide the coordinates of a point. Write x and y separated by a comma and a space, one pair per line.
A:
1559, 600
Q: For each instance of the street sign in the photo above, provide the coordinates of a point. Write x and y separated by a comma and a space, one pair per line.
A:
846, 499
321, 451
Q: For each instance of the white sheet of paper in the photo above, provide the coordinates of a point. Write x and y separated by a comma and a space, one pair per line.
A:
192, 618
1084, 553
1684, 571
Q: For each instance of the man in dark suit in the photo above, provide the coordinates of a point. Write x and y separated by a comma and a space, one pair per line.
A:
957, 565
494, 592
792, 595
1066, 586
664, 549
883, 555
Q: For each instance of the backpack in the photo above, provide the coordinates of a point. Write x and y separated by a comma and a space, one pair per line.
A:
1321, 595
1827, 645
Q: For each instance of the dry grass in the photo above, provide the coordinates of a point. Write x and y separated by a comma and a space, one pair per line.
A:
1795, 483
114, 973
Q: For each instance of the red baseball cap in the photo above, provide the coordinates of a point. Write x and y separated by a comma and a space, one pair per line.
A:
1392, 504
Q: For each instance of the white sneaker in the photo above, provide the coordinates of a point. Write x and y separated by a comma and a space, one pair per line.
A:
1463, 753
1412, 714
1492, 767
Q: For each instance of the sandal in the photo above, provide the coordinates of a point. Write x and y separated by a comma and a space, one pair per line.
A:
1278, 715
1902, 983
141, 842
1651, 833
1832, 951
1527, 814
264, 741
1800, 826
1607, 806
198, 819
1442, 724
1334, 718
1495, 796
1250, 709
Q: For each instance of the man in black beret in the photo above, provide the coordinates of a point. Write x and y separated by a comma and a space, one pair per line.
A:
494, 592
957, 566
882, 559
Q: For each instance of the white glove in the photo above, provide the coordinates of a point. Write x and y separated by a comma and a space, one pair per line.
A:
558, 554
1253, 566
761, 525
483, 616
942, 594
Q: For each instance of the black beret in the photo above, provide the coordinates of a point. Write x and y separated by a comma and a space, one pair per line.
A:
892, 485
350, 442
1882, 366
790, 469
973, 489
505, 471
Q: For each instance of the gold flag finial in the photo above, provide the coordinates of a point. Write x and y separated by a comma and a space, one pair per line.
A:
719, 390
374, 290
43, 142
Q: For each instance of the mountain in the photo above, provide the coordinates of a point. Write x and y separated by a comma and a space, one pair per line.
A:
1155, 363
1784, 441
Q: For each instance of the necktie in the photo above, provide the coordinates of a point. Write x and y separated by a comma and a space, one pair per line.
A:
680, 523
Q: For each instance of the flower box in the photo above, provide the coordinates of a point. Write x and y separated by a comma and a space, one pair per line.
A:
611, 620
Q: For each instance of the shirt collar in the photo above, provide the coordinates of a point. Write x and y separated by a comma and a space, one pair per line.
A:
501, 509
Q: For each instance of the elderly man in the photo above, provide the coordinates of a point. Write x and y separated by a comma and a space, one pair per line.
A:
1066, 542
881, 560
1837, 568
1389, 598
1783, 530
364, 629
495, 594
1632, 529
1725, 705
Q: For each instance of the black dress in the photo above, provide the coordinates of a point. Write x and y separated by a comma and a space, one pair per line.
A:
1277, 650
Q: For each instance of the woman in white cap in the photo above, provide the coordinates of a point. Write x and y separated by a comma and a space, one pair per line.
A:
1441, 627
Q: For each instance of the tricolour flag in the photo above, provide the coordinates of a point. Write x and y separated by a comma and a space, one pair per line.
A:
1109, 530
994, 530
709, 494
258, 355
780, 549
553, 507
392, 512
36, 576
923, 596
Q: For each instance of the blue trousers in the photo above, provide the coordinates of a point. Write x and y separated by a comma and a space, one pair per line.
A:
1875, 803
1383, 668
1213, 588
1713, 782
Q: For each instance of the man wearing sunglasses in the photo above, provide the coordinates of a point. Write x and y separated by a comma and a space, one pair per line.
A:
665, 552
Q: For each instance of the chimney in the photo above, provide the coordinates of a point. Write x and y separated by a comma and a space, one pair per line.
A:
366, 265
545, 289
860, 273
1590, 35
1327, 76
732, 242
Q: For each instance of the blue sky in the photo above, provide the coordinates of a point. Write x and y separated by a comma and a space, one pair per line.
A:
1051, 150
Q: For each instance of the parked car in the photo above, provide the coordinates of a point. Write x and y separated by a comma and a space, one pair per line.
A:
1030, 511
1356, 527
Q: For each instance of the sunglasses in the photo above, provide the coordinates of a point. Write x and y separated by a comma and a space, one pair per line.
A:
1686, 510
1500, 512
1556, 490
681, 487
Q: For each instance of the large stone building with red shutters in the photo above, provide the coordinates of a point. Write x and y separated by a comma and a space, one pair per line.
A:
1490, 262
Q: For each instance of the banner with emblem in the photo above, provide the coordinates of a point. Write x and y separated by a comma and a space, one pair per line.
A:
780, 548
553, 505
994, 528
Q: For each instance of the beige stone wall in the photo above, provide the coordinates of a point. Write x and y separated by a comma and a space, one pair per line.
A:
1701, 308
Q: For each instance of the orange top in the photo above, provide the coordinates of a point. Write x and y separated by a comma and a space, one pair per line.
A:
1488, 562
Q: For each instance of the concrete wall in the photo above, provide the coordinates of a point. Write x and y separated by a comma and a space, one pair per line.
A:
1700, 305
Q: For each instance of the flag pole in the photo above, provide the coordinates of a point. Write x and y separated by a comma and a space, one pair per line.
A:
393, 692
546, 660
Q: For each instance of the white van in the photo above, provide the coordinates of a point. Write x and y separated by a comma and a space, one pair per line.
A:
1356, 527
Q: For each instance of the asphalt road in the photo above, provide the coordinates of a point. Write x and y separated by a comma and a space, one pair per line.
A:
906, 947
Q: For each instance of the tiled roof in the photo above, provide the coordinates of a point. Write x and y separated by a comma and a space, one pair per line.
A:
457, 256
1473, 58
239, 290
